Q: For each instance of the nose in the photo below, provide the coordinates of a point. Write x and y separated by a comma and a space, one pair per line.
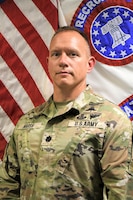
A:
63, 60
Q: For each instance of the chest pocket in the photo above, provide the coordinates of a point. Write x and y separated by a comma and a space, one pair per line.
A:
25, 153
28, 142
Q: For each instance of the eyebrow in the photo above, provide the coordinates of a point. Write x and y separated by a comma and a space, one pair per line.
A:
64, 49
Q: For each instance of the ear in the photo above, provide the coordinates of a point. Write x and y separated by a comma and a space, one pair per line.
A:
91, 63
47, 58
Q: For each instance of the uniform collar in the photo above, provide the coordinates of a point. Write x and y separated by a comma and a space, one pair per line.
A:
49, 108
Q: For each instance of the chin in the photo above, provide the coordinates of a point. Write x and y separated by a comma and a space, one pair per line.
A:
65, 85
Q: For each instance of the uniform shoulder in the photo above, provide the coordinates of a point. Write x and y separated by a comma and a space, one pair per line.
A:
32, 113
109, 106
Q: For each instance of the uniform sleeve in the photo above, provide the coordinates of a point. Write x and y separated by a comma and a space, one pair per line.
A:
116, 158
129, 195
9, 173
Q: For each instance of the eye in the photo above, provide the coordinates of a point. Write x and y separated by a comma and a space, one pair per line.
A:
55, 54
73, 54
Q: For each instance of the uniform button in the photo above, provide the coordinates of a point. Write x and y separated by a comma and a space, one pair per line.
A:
48, 138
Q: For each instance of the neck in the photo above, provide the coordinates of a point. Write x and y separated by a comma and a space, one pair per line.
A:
67, 94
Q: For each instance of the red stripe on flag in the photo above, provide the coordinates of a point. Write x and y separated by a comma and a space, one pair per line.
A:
28, 31
9, 105
49, 11
20, 72
2, 145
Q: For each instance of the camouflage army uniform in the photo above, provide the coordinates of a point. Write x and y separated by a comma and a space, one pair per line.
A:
130, 181
64, 151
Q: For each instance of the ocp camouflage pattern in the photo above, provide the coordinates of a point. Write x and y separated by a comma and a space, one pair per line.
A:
79, 150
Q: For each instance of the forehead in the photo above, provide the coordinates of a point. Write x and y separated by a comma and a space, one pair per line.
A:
68, 37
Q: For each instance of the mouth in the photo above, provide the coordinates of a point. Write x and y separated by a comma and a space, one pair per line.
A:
63, 72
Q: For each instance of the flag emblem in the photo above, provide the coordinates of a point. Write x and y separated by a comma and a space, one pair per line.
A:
109, 27
127, 106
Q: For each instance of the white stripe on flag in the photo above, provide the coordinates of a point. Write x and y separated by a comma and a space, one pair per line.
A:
8, 127
14, 87
37, 19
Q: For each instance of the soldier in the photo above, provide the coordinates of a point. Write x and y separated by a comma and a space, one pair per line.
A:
77, 145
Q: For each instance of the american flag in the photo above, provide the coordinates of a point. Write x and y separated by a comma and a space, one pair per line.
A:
26, 27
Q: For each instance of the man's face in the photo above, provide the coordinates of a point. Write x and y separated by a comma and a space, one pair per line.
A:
69, 60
